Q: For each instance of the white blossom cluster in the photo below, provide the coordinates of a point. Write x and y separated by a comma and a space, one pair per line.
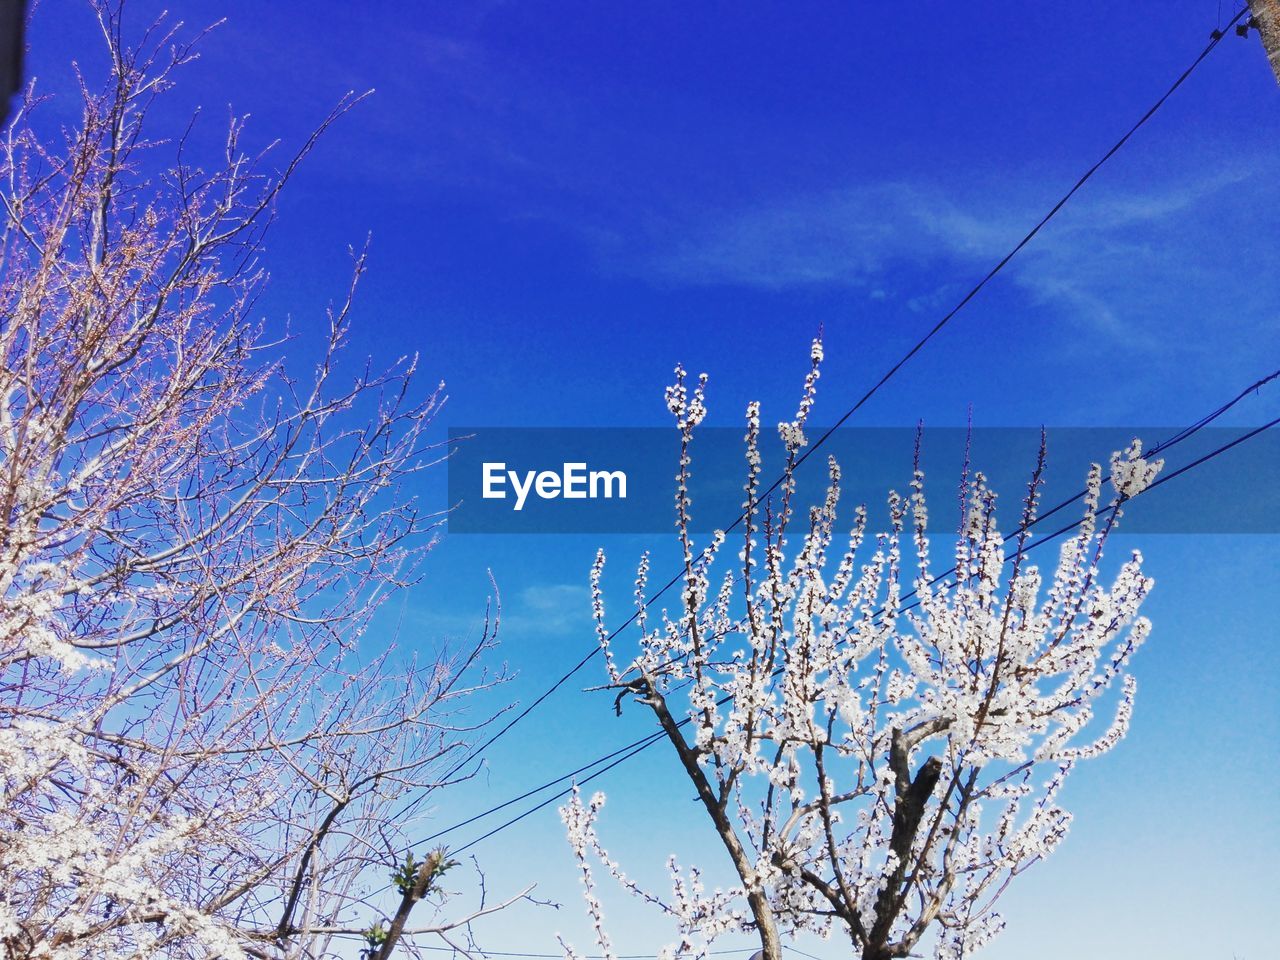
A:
699, 916
880, 748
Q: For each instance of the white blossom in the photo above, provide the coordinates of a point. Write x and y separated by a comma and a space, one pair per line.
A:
879, 753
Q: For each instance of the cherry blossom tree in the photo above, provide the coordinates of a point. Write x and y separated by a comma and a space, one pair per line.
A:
878, 764
200, 738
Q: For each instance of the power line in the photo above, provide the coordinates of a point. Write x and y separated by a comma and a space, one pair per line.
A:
639, 746
892, 371
630, 750
810, 956
643, 742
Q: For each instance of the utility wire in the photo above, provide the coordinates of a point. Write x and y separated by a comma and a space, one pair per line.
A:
642, 742
639, 746
477, 751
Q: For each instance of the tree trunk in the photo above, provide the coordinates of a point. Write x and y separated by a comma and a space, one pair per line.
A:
1267, 15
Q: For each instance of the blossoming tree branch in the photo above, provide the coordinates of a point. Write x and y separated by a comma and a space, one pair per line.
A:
876, 770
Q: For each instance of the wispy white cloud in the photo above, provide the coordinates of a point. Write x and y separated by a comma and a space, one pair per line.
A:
849, 237
545, 609
538, 610
1113, 257
854, 236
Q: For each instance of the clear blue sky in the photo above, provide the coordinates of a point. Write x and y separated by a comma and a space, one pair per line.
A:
567, 198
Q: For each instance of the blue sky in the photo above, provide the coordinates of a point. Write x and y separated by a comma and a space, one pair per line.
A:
565, 199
